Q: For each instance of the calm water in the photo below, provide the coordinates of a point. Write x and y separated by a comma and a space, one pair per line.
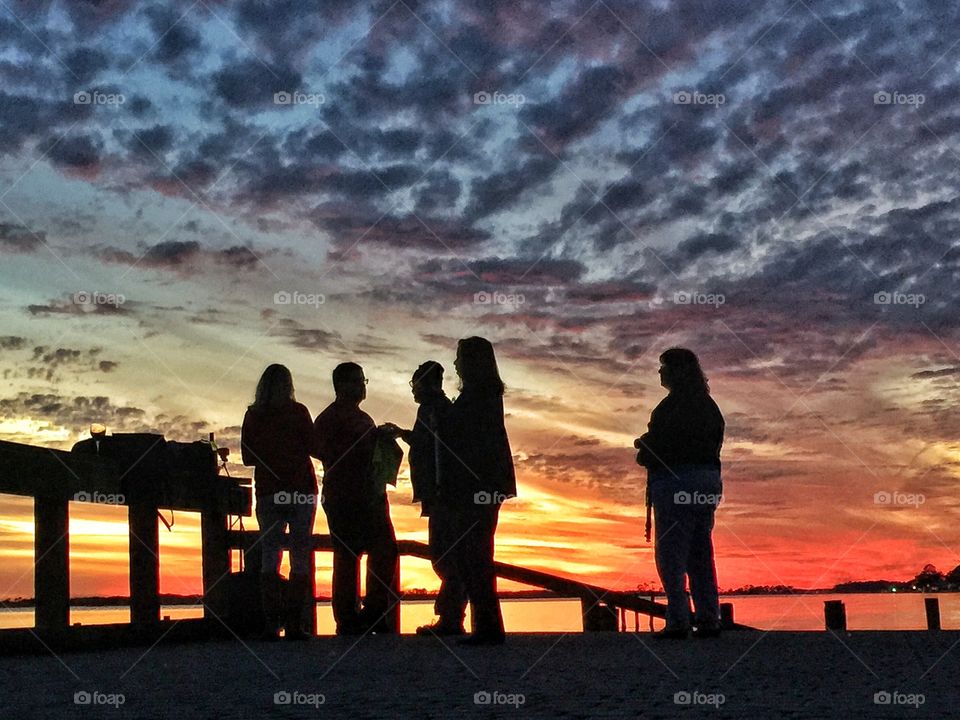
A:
888, 611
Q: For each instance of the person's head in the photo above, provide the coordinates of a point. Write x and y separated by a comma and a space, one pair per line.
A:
275, 388
349, 382
427, 379
476, 366
680, 371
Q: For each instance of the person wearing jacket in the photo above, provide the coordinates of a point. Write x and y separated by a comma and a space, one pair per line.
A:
277, 440
476, 477
681, 451
358, 512
434, 405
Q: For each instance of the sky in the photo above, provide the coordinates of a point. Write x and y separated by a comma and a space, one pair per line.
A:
191, 191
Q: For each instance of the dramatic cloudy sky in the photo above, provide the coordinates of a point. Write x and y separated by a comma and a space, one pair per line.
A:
774, 185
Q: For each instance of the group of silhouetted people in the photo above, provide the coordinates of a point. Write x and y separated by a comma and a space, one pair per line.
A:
461, 469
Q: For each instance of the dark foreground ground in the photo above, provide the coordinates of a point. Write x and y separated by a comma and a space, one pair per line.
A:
597, 675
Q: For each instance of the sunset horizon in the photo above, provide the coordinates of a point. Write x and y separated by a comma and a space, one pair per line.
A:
192, 193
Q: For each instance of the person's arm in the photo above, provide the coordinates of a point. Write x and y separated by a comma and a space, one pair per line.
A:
247, 452
649, 445
321, 445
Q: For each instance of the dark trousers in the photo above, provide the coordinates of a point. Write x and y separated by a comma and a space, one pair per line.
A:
475, 528
355, 531
451, 602
684, 505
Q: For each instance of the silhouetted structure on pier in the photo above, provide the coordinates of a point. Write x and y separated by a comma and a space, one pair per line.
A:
231, 599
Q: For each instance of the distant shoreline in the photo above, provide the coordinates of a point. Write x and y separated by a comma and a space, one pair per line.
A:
123, 601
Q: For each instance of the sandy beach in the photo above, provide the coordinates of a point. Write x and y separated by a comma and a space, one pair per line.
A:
578, 675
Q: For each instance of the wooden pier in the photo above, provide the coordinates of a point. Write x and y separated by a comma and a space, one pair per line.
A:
231, 600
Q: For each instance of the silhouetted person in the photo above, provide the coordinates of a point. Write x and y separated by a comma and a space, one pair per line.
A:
277, 440
476, 476
358, 513
451, 602
681, 451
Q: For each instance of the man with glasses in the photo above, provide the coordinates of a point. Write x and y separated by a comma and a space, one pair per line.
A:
358, 513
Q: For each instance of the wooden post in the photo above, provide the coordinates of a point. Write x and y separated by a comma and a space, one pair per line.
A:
393, 618
312, 585
932, 607
144, 563
216, 564
835, 615
598, 616
726, 616
51, 552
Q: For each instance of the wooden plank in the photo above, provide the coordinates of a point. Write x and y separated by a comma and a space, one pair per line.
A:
216, 564
51, 549
144, 563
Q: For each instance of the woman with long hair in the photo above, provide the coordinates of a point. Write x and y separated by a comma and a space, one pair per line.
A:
681, 451
277, 439
476, 477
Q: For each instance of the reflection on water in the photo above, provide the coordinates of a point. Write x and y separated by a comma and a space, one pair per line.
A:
887, 611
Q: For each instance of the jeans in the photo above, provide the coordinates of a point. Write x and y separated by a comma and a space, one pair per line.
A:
355, 530
475, 527
272, 517
684, 503
451, 602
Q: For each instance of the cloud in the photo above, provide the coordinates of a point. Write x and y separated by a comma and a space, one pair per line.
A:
19, 239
